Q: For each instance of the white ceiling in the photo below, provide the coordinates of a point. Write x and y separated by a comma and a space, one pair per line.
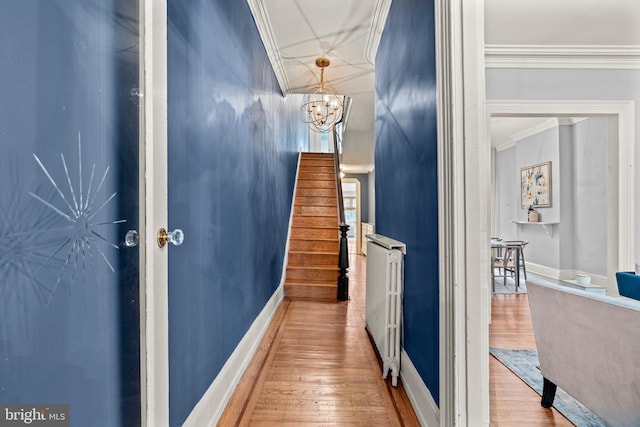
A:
296, 32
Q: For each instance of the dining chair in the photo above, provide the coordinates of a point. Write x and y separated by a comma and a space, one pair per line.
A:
520, 244
505, 264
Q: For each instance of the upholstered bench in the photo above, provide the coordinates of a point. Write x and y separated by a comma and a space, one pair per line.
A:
628, 284
588, 345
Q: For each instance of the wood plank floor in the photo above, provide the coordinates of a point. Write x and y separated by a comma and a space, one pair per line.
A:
512, 401
316, 366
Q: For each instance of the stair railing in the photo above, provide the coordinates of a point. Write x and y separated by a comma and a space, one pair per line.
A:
343, 257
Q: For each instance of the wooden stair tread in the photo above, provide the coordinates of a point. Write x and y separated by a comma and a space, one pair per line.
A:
319, 239
320, 227
314, 267
315, 253
320, 284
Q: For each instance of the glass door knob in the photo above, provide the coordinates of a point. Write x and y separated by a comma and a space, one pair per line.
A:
175, 237
131, 239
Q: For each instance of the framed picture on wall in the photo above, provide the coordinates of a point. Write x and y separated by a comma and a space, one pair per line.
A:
535, 186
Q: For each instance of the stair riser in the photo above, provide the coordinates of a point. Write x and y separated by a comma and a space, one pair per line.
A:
321, 169
314, 245
309, 183
319, 275
323, 293
314, 233
316, 211
315, 221
317, 192
315, 201
317, 162
316, 155
315, 259
317, 176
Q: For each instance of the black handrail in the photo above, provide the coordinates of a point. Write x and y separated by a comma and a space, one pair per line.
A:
343, 257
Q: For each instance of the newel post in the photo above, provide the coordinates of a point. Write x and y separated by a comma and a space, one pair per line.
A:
343, 264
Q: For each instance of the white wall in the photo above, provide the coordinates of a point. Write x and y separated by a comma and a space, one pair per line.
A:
507, 193
372, 196
567, 181
578, 155
564, 84
357, 148
543, 248
591, 195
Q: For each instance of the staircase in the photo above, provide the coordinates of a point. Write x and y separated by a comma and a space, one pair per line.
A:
312, 270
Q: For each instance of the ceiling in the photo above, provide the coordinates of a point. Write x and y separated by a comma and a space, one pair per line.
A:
296, 32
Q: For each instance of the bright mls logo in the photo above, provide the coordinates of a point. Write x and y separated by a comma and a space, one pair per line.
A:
34, 415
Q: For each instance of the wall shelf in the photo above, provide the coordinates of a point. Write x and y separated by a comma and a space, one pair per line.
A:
546, 225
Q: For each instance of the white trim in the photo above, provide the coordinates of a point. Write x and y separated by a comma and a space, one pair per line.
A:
556, 274
563, 56
545, 271
265, 29
154, 314
464, 163
570, 121
347, 168
621, 185
285, 260
512, 139
445, 14
421, 399
358, 212
377, 27
209, 409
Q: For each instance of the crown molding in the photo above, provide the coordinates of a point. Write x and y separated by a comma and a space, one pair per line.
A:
377, 27
570, 121
562, 56
512, 139
265, 29
356, 169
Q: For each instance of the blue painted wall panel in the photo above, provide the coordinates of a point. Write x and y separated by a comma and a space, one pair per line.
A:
69, 290
233, 143
406, 180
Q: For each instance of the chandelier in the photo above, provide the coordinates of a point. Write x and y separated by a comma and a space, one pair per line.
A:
323, 108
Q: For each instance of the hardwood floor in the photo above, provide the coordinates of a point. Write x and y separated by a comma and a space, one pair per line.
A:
512, 401
316, 366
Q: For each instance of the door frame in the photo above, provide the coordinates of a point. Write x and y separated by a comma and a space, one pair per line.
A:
620, 165
464, 163
358, 212
154, 301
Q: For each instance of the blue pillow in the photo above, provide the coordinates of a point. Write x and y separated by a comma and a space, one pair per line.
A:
628, 284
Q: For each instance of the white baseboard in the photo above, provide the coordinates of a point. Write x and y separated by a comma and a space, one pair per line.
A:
209, 409
564, 274
425, 407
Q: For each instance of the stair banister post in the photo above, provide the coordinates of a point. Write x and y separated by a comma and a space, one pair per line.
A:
343, 257
343, 264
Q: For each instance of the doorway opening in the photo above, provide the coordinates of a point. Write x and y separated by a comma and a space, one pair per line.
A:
352, 211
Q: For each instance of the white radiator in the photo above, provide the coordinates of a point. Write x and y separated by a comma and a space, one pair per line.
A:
383, 310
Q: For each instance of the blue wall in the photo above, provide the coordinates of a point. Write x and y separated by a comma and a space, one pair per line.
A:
406, 179
233, 143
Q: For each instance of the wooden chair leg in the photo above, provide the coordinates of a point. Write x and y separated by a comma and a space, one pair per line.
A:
524, 267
